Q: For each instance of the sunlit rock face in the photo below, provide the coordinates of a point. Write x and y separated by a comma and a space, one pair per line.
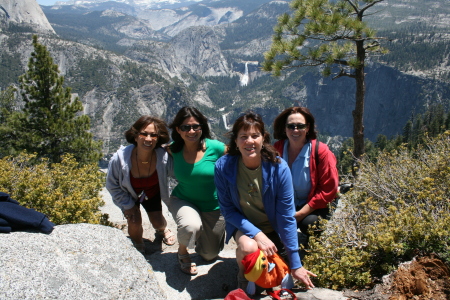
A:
24, 12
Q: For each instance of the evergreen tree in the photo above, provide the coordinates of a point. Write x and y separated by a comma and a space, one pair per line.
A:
382, 142
331, 34
437, 120
7, 101
407, 133
418, 131
7, 107
50, 123
447, 122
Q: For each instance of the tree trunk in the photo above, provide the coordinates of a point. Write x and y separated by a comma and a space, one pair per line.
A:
358, 113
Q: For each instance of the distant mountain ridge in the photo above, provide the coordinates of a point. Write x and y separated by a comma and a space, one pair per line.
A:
123, 65
148, 4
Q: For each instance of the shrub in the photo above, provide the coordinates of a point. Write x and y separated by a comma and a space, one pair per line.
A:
65, 192
400, 207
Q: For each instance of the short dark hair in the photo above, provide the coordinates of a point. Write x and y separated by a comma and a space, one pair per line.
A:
246, 121
160, 127
279, 124
183, 114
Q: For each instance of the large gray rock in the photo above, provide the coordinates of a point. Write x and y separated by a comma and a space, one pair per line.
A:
78, 261
25, 12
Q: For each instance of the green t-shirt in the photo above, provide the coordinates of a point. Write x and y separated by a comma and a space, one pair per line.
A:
196, 181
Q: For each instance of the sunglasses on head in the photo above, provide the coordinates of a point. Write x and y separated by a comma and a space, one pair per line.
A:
195, 127
293, 126
145, 134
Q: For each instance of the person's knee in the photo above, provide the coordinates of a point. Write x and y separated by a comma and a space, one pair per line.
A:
247, 246
191, 228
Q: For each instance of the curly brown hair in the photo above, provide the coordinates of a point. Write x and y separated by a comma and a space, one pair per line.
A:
160, 127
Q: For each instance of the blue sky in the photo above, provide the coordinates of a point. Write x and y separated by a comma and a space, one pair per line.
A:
48, 2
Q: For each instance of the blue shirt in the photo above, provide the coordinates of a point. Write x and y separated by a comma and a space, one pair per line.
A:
278, 201
301, 175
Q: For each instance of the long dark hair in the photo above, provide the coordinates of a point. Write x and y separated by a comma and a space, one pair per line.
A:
279, 125
160, 127
246, 121
183, 114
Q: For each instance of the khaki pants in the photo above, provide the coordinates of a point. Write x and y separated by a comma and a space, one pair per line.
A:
205, 230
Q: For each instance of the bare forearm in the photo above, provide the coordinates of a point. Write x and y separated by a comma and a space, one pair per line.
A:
303, 212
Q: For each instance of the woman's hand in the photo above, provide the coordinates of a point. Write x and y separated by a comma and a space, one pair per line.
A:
265, 244
302, 275
131, 214
303, 212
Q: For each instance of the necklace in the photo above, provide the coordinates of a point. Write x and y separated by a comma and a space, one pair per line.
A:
146, 162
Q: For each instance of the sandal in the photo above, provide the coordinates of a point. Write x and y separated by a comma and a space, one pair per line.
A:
186, 267
168, 237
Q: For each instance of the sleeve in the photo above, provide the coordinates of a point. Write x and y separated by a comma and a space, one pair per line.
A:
169, 165
219, 148
279, 145
285, 214
120, 196
327, 179
228, 205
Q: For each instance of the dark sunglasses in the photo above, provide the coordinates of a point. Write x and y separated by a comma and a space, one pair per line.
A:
195, 127
145, 134
293, 126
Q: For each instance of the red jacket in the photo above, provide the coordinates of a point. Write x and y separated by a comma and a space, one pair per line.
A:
324, 180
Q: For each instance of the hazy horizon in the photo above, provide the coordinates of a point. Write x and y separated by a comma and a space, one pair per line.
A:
48, 2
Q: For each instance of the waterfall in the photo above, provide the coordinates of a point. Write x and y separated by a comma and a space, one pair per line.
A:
244, 79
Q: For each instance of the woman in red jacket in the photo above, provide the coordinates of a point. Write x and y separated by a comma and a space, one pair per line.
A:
312, 165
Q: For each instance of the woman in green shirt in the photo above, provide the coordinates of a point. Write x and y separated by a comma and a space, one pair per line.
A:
193, 203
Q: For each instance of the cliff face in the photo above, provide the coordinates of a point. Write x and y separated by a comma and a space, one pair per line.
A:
24, 12
193, 51
391, 99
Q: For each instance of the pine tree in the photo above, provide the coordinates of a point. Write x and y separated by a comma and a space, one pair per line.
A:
7, 101
437, 120
7, 107
418, 131
382, 142
50, 123
330, 34
447, 122
407, 133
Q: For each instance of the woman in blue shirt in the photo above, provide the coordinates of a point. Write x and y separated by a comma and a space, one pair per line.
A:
312, 164
255, 193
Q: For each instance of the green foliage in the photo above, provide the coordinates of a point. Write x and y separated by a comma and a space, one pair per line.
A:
7, 107
65, 192
49, 124
7, 101
10, 65
321, 32
399, 208
331, 34
433, 122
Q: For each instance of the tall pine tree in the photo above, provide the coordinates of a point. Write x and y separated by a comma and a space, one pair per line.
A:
330, 34
50, 123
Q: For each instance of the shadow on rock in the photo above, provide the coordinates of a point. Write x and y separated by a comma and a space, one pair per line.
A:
214, 280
